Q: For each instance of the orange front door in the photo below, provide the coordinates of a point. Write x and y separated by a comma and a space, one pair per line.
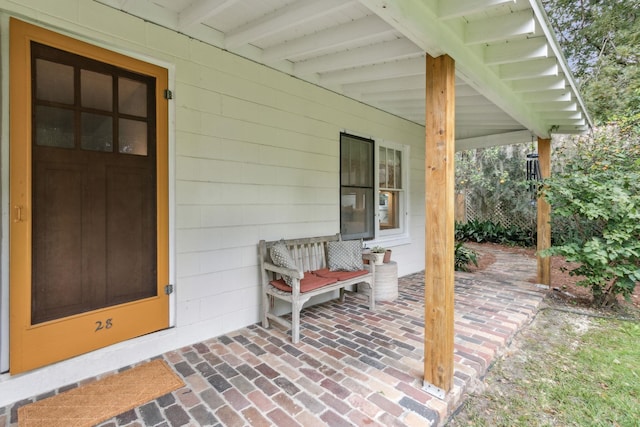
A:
89, 226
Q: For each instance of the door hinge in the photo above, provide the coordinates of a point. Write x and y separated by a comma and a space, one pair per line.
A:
168, 94
168, 289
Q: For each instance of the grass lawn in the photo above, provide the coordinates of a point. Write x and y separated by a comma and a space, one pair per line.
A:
567, 369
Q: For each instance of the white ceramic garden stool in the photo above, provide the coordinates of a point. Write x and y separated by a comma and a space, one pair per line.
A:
386, 282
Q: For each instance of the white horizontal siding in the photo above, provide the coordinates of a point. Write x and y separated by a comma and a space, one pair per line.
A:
256, 157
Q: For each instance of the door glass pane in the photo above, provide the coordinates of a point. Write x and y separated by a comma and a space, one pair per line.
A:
54, 127
97, 132
54, 82
132, 138
132, 97
96, 90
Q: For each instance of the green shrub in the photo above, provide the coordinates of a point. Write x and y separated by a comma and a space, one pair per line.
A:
464, 256
596, 200
487, 231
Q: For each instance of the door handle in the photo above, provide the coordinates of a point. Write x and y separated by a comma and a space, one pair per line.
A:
18, 213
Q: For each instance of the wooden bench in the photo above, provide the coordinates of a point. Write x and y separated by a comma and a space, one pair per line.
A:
311, 276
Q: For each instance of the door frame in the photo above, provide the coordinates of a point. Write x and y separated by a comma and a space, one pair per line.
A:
166, 206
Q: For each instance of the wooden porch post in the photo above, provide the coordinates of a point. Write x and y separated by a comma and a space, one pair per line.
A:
439, 225
544, 214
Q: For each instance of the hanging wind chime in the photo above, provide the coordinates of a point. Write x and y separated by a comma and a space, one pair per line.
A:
534, 177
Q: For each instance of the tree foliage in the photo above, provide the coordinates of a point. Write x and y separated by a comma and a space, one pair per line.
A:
601, 40
595, 201
595, 194
494, 180
594, 191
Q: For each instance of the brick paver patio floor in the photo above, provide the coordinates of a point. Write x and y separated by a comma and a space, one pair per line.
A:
353, 367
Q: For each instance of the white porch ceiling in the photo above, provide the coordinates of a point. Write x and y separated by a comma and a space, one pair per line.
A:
511, 80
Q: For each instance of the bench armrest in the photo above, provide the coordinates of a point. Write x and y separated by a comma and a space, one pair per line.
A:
297, 274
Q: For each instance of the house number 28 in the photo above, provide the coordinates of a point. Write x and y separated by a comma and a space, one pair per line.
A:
107, 324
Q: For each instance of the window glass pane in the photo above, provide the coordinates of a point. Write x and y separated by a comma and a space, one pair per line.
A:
398, 167
390, 168
96, 90
345, 162
132, 137
357, 203
54, 127
382, 168
352, 167
132, 97
365, 168
54, 82
356, 213
391, 171
356, 156
97, 132
389, 209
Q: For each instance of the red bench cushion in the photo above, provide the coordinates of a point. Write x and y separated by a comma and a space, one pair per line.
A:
339, 275
308, 283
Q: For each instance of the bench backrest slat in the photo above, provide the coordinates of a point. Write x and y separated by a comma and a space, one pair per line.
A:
309, 253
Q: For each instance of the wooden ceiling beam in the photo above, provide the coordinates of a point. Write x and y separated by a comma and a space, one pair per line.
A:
199, 11
494, 29
393, 50
449, 9
405, 68
529, 69
555, 106
355, 32
537, 84
516, 51
282, 19
548, 96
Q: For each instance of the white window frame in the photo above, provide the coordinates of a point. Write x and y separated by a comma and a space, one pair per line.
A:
396, 236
